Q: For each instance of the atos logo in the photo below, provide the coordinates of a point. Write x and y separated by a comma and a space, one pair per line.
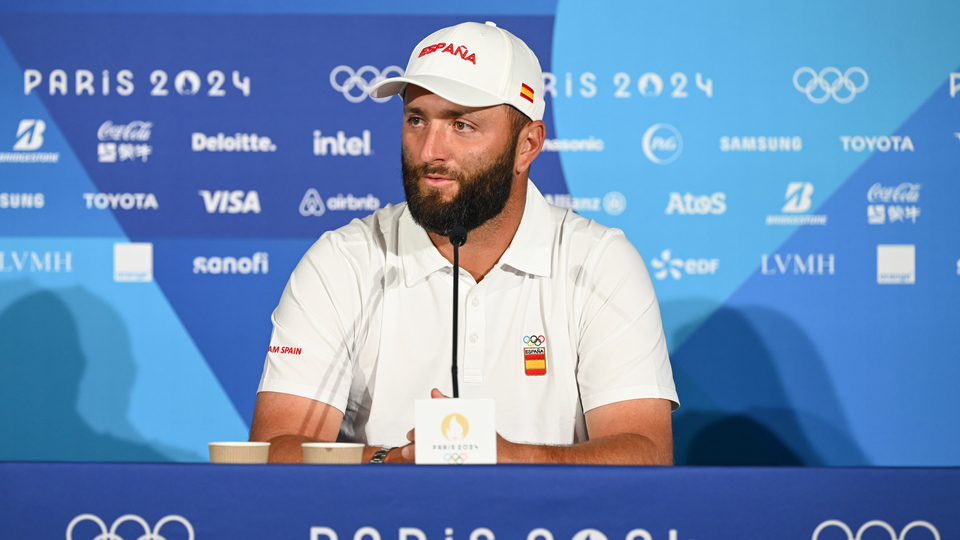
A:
355, 85
230, 202
830, 83
662, 144
690, 204
29, 139
111, 534
814, 264
257, 264
666, 265
341, 145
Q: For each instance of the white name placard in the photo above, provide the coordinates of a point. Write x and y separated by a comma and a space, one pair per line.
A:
455, 431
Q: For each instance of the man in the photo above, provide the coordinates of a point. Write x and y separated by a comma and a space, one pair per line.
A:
367, 309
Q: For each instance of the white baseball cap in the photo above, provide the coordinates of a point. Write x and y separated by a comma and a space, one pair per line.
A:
475, 65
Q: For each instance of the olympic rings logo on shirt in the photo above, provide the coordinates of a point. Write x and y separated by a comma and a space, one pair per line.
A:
112, 533
357, 79
875, 523
536, 341
820, 80
455, 459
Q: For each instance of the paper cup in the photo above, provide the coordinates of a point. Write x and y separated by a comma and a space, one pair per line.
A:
239, 452
332, 452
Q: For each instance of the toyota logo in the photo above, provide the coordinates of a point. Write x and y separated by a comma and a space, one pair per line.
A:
830, 80
112, 533
875, 523
355, 85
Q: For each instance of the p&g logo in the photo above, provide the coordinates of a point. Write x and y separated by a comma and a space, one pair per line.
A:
662, 144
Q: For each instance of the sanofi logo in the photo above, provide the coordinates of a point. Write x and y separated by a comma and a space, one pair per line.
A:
258, 263
662, 144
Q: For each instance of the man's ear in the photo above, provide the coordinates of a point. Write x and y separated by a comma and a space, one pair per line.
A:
529, 144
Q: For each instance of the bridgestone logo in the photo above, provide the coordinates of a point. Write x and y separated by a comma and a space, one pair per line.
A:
32, 157
797, 220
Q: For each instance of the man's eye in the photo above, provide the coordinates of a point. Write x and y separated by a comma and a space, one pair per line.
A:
460, 126
414, 121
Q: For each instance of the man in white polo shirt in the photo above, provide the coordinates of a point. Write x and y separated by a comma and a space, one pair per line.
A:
363, 326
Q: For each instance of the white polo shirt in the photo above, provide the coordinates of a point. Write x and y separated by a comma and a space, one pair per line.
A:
364, 324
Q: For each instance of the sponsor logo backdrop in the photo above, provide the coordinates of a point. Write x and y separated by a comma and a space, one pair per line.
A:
161, 173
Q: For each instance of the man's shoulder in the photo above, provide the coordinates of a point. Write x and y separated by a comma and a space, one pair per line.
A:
362, 238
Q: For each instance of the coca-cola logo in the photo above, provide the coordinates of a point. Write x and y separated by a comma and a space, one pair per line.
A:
906, 192
134, 131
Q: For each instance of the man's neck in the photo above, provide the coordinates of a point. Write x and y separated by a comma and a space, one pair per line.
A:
488, 242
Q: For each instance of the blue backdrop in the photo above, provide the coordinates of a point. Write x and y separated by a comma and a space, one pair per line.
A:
787, 171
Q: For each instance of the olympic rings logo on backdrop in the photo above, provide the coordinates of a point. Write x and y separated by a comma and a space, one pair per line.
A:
830, 80
361, 79
536, 341
876, 523
112, 533
455, 459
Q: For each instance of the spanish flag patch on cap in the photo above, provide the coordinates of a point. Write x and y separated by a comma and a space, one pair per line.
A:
526, 92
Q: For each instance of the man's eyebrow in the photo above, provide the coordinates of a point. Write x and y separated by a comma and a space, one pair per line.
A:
445, 113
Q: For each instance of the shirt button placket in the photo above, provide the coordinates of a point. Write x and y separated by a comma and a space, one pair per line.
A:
475, 326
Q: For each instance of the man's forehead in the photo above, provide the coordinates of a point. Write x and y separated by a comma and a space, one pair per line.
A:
424, 97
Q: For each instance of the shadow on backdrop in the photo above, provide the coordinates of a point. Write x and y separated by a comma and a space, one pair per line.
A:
754, 391
41, 367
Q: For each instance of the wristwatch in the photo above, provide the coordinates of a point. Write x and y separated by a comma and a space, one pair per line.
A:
380, 455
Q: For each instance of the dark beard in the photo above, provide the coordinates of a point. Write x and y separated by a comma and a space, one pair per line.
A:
482, 195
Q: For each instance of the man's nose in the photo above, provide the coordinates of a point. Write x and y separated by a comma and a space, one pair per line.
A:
434, 144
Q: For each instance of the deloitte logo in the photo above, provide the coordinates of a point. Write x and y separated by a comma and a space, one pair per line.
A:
662, 144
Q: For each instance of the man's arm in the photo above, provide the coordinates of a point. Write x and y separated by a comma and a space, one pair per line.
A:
632, 432
287, 421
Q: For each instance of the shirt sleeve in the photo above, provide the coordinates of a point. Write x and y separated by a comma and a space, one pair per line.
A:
622, 349
316, 324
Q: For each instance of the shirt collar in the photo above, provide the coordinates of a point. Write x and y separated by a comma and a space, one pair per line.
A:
529, 252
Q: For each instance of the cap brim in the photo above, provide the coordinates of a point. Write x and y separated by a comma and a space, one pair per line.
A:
449, 89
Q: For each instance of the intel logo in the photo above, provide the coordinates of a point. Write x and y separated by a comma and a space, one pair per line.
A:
662, 144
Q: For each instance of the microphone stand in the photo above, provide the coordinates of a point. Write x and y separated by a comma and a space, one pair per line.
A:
458, 237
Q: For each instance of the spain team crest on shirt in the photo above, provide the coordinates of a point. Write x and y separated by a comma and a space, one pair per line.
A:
534, 355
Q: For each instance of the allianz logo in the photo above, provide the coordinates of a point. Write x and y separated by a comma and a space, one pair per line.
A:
341, 145
690, 204
813, 264
613, 203
256, 264
238, 142
21, 200
36, 261
883, 143
312, 204
230, 202
125, 201
761, 144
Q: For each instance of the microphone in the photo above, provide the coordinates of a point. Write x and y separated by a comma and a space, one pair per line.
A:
458, 237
